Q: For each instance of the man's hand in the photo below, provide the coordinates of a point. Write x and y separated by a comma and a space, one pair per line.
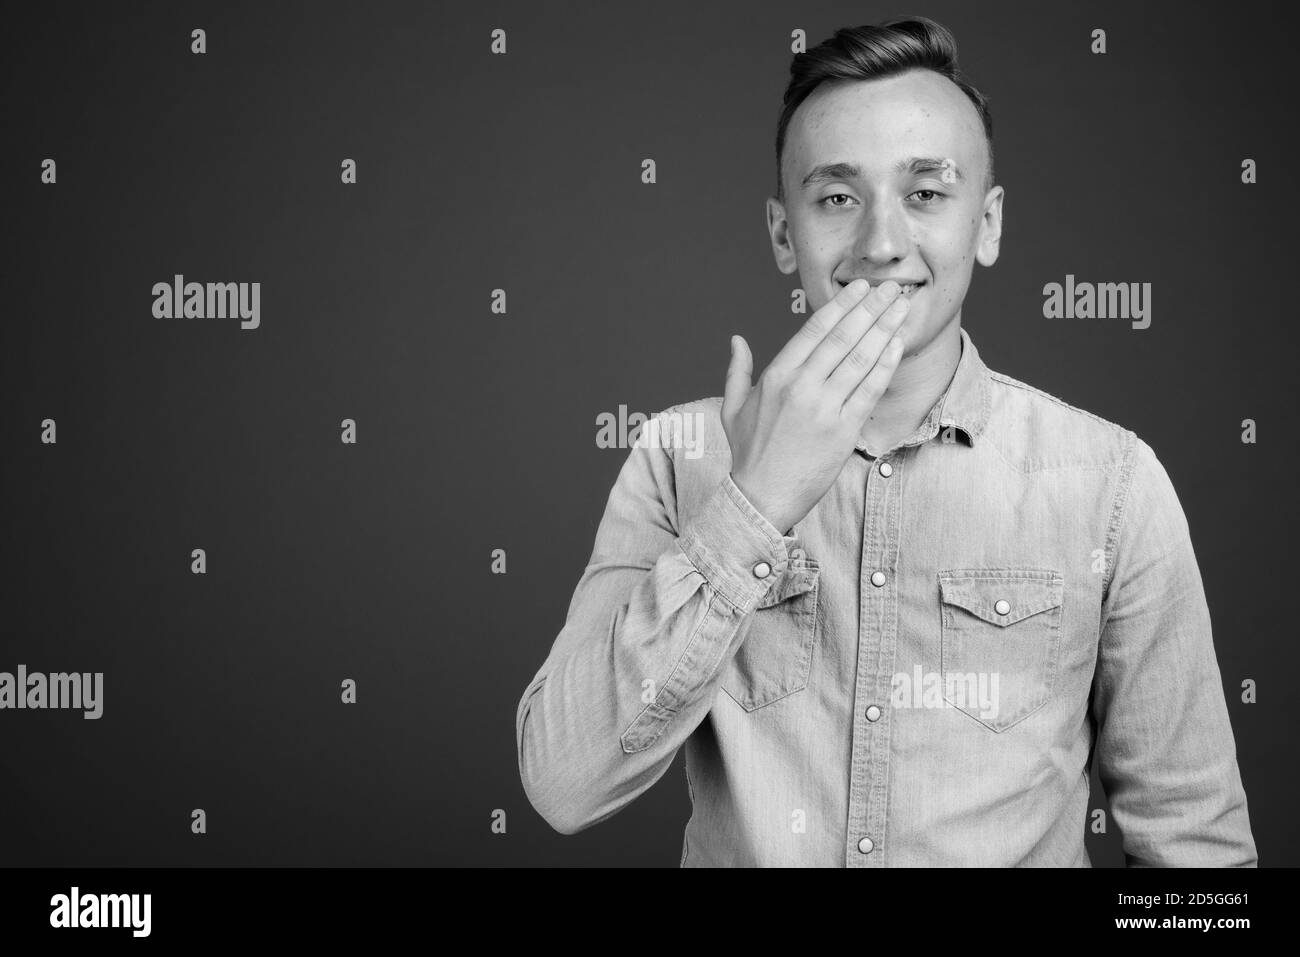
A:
791, 434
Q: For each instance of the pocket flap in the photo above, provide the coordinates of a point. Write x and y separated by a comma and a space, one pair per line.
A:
1025, 593
797, 580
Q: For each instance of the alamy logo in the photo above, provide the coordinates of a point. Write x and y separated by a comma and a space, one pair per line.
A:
214, 300
1102, 300
102, 910
667, 430
969, 691
58, 690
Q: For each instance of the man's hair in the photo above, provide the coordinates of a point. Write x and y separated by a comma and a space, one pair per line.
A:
872, 53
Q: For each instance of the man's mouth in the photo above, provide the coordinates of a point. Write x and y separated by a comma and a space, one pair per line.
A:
904, 290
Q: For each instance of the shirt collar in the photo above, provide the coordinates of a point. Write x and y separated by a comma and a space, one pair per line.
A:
964, 405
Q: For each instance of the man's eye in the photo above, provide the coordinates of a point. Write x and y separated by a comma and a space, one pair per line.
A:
833, 196
929, 198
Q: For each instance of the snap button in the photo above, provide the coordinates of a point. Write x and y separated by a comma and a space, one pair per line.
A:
877, 578
762, 570
886, 469
1002, 607
873, 713
866, 845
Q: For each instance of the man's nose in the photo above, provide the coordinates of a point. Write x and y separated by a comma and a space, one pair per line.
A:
883, 235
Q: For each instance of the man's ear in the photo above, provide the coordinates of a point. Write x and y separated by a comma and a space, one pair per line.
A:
990, 237
778, 227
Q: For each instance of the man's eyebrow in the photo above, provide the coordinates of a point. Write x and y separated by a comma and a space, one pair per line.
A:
912, 165
928, 164
830, 171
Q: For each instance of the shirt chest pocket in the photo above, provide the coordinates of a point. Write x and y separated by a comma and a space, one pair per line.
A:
1001, 641
775, 656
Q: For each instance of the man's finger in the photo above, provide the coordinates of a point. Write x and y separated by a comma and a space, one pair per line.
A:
819, 323
859, 360
739, 375
864, 398
841, 340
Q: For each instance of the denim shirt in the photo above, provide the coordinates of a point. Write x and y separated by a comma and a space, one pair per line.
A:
920, 673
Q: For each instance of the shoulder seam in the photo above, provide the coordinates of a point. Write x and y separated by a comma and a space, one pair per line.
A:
1016, 383
1119, 510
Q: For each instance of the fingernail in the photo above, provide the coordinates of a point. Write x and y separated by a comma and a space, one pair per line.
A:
889, 289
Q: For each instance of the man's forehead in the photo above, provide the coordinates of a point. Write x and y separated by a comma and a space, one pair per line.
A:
906, 97
890, 126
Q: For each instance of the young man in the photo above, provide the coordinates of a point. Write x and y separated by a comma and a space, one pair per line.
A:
899, 599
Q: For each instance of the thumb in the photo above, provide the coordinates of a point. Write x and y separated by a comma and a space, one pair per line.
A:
739, 371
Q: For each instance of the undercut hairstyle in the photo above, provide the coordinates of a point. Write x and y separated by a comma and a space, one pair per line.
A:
872, 53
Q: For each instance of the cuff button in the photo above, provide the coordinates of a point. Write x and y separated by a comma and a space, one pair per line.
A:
762, 570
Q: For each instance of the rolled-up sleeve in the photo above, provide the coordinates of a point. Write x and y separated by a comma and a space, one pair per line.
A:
657, 612
1165, 748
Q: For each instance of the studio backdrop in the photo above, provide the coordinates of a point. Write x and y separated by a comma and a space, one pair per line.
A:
315, 529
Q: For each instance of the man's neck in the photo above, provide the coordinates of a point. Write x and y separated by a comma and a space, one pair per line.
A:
916, 386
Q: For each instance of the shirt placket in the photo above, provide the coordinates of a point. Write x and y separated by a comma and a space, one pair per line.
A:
865, 844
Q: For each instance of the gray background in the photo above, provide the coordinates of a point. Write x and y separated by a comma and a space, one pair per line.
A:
477, 431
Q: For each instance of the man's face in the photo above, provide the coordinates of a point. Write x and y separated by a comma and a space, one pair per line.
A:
889, 219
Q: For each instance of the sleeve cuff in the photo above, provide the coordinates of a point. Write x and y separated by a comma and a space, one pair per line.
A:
730, 542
